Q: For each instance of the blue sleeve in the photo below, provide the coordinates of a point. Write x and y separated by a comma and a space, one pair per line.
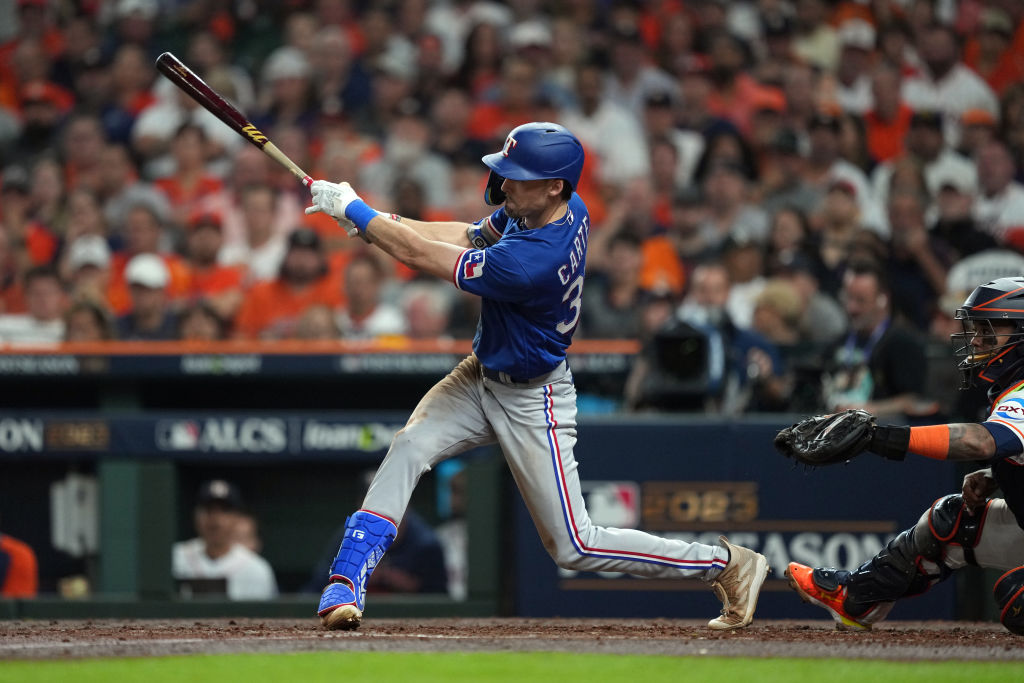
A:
1007, 443
493, 273
497, 222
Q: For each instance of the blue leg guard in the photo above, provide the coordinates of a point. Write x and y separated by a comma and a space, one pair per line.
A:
367, 538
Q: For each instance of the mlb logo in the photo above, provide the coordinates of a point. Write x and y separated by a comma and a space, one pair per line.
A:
612, 503
473, 266
175, 435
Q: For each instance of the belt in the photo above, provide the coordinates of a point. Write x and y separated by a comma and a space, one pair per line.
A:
505, 378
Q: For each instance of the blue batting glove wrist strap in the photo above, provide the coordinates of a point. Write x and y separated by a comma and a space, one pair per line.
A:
360, 213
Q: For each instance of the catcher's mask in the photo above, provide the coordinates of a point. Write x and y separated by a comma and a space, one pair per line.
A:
993, 327
534, 151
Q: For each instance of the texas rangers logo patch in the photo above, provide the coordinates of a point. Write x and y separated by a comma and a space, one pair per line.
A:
474, 265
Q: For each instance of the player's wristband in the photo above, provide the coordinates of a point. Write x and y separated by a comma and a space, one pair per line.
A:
477, 237
890, 442
931, 441
360, 213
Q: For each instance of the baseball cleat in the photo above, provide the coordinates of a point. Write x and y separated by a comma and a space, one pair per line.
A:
738, 587
338, 609
802, 580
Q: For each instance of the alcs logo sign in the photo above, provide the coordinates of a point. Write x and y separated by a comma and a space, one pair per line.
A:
223, 435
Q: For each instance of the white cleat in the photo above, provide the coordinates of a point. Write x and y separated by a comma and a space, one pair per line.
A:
344, 618
738, 586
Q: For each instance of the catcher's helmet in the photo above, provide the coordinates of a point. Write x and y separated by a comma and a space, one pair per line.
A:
1009, 594
999, 300
534, 151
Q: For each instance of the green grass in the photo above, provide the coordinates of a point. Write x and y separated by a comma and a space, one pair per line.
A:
516, 667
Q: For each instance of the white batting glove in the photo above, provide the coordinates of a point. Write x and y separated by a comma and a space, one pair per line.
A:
332, 199
350, 228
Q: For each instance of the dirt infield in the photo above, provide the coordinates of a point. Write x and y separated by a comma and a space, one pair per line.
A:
931, 641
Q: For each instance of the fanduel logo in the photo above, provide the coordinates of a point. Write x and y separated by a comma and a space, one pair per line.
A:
222, 435
326, 436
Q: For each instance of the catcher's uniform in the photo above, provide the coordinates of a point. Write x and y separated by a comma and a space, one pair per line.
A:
951, 533
1001, 540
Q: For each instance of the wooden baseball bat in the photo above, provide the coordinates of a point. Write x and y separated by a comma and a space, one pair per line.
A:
186, 79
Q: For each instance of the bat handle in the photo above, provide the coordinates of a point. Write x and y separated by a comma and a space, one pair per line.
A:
307, 181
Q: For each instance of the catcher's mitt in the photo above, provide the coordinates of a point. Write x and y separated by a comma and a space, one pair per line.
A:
827, 439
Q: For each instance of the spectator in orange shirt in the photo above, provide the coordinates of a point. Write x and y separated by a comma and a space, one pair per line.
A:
991, 51
144, 234
12, 296
513, 104
668, 258
220, 286
43, 108
271, 310
31, 242
888, 121
190, 183
735, 92
19, 571
37, 25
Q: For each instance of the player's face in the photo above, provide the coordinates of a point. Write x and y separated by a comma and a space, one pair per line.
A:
989, 337
216, 525
530, 199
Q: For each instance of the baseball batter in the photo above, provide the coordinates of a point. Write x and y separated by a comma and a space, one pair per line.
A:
527, 262
964, 528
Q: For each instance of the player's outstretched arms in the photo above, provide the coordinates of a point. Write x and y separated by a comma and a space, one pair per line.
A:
958, 441
839, 437
335, 198
340, 201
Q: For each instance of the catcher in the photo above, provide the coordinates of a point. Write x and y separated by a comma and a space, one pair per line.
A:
963, 528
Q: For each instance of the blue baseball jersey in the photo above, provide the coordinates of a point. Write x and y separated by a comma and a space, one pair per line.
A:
531, 286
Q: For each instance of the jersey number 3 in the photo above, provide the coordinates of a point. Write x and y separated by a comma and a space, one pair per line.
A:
574, 296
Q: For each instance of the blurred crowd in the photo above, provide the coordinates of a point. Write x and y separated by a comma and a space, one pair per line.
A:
772, 183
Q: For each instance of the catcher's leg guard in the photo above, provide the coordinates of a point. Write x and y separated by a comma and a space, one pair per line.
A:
367, 538
913, 561
1008, 592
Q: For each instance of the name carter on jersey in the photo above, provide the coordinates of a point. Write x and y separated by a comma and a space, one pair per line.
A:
579, 244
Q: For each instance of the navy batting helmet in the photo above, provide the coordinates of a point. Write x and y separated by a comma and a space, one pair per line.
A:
534, 151
1009, 594
998, 300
